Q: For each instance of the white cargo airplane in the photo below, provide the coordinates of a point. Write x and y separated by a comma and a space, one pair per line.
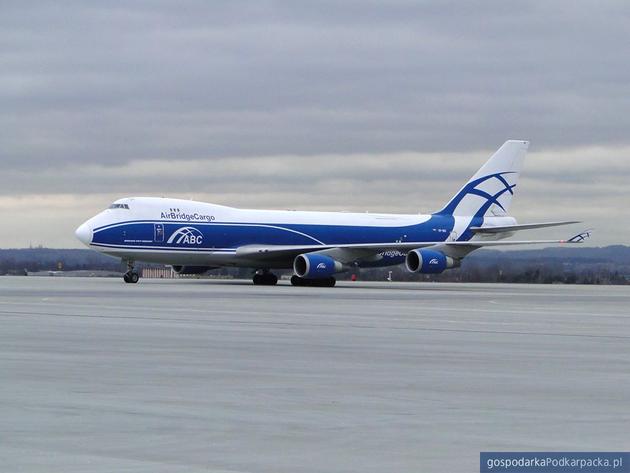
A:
195, 237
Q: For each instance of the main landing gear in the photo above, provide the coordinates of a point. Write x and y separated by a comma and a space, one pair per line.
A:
324, 282
265, 278
131, 276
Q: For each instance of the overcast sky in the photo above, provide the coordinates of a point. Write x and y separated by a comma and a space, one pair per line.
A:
334, 105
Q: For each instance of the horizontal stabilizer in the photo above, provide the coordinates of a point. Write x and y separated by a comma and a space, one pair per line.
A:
514, 228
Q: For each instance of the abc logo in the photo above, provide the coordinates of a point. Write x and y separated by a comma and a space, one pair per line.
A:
192, 239
186, 236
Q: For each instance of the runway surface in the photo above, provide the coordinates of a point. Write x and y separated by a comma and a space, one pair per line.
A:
197, 375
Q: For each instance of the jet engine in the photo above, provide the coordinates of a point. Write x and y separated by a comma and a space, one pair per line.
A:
191, 269
315, 266
428, 261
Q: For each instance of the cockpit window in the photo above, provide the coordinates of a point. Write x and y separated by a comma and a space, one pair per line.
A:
119, 206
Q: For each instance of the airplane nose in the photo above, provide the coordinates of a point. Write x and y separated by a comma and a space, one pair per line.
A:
84, 234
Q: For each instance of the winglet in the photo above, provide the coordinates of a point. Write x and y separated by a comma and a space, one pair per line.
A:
580, 237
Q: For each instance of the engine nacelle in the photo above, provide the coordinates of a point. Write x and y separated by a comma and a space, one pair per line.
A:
315, 266
191, 269
428, 261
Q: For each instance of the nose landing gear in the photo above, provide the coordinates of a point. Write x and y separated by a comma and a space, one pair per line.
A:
131, 276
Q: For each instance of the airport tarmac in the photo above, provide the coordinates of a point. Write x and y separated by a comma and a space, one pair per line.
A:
199, 375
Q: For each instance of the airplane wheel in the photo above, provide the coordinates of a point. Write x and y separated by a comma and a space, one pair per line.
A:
328, 282
298, 281
131, 277
265, 279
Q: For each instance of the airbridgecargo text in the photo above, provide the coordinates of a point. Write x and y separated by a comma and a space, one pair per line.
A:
392, 254
194, 217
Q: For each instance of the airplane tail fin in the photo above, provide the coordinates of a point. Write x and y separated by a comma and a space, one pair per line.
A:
490, 190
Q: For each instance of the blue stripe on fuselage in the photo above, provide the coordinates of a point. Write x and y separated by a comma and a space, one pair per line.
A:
134, 234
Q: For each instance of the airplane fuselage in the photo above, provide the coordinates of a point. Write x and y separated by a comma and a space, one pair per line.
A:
183, 232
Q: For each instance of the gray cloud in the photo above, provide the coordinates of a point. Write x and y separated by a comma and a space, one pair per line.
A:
334, 104
576, 183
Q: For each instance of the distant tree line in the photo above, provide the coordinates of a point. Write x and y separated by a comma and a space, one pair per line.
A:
513, 272
608, 265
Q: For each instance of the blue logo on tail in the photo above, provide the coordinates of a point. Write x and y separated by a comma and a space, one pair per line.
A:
471, 189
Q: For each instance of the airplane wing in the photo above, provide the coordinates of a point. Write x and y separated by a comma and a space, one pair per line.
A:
361, 250
513, 228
